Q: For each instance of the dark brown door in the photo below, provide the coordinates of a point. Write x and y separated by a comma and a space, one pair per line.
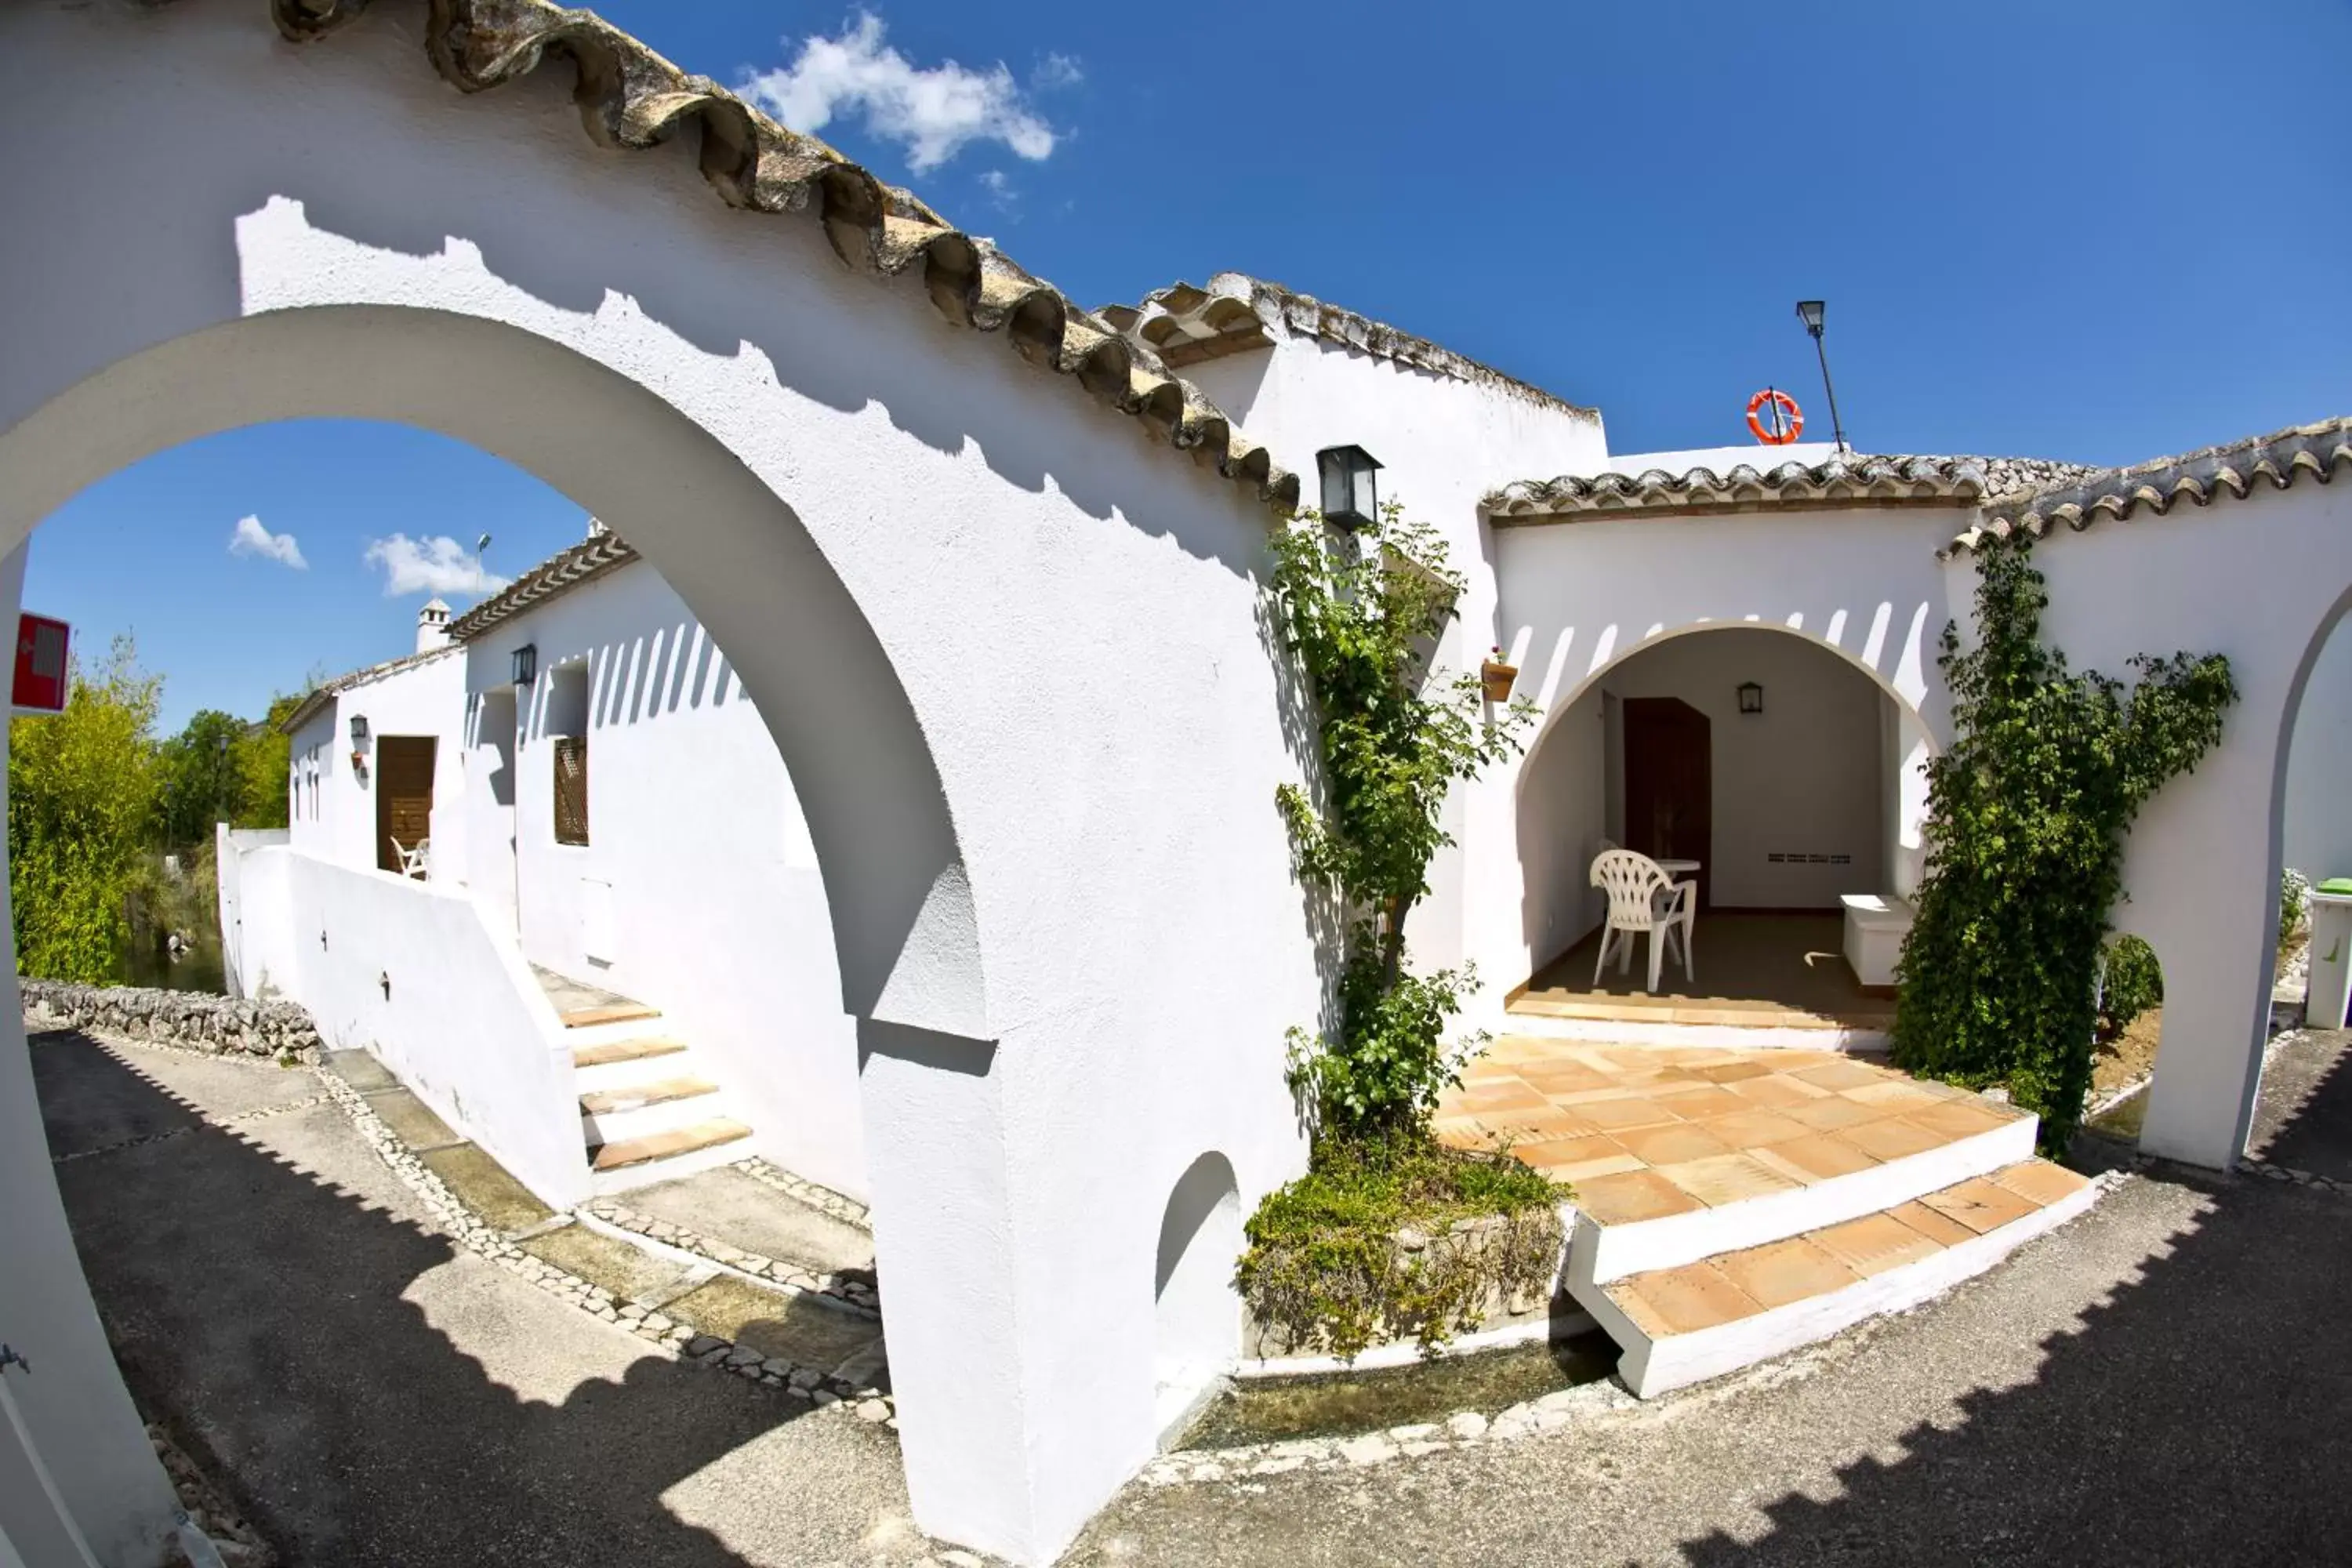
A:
404, 794
1669, 785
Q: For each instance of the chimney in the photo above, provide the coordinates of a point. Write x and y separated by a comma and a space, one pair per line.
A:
432, 626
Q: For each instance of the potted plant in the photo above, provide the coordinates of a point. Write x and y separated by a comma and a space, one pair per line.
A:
1497, 676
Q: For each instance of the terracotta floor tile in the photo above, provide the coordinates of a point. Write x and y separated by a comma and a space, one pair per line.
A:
1785, 1271
1816, 1157
1576, 1097
1776, 1090
2041, 1182
1692, 1104
1841, 1074
1832, 1111
1979, 1205
1680, 1089
1521, 1048
1874, 1244
1726, 1179
1672, 1144
1734, 1071
1754, 1128
1613, 1115
1894, 1093
1962, 1118
1893, 1138
1574, 1159
1512, 1096
1628, 1196
1527, 1126
1683, 1301
1941, 1230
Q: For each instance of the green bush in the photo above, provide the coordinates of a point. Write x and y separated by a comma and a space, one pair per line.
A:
2029, 808
2132, 984
2295, 902
1394, 1237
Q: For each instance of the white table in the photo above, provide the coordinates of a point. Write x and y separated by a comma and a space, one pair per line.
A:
1679, 868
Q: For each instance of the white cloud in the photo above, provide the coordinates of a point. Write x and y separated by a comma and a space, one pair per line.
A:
933, 111
1056, 70
252, 539
999, 186
433, 564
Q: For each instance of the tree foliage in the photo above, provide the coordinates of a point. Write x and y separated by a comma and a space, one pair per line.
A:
81, 798
1362, 613
2028, 812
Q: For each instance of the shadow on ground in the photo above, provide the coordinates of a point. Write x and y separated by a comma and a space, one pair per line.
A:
2200, 1414
282, 1323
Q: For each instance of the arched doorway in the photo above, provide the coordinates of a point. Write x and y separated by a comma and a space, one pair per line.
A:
1781, 777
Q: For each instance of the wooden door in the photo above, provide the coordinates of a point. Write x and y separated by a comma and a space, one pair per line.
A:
1669, 784
404, 794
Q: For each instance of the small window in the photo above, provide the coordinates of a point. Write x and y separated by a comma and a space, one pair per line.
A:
571, 789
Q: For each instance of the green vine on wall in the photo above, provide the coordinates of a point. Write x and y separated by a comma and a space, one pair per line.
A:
2027, 813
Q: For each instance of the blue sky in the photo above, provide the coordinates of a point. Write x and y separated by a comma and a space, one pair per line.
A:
2098, 231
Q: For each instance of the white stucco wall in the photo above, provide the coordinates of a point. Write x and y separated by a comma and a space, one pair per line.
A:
1444, 444
2317, 825
697, 852
1579, 600
426, 699
1007, 641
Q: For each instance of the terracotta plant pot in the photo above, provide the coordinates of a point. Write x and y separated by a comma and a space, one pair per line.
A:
1497, 678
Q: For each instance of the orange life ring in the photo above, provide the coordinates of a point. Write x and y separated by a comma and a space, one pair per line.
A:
1784, 407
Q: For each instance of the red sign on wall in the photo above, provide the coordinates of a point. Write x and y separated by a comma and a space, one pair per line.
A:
40, 683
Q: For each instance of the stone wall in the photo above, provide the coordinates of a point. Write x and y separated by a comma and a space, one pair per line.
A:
194, 1020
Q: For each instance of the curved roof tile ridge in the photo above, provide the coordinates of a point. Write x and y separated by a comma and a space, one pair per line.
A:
631, 97
1232, 311
1847, 478
567, 568
2237, 469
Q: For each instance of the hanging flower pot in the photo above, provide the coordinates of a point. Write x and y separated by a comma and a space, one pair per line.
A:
1497, 677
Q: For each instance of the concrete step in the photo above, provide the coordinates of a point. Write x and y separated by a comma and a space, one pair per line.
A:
607, 1013
1698, 1320
1611, 1236
617, 1115
660, 1156
629, 1063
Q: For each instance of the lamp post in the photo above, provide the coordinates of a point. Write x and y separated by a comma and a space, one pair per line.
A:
1809, 313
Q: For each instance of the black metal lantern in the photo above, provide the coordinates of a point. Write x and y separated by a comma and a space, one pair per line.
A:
525, 664
1810, 312
1350, 494
1752, 698
359, 728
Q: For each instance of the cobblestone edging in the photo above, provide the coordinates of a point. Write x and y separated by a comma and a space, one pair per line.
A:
854, 1289
848, 1211
809, 1385
2270, 1172
1463, 1429
238, 1543
192, 1020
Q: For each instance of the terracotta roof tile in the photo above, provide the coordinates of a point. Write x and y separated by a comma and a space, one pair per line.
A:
1185, 323
2197, 479
631, 97
592, 557
1852, 479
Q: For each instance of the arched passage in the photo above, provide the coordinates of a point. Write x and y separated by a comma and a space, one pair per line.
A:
1790, 772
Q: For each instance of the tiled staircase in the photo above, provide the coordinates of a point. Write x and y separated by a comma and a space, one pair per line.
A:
647, 1113
1730, 1205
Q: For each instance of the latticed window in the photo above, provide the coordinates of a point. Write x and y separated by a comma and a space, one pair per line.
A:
571, 789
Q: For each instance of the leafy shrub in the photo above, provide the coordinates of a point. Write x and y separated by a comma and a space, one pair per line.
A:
1391, 1237
2133, 982
2295, 902
2029, 808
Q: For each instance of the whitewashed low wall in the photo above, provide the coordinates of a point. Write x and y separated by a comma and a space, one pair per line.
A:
412, 975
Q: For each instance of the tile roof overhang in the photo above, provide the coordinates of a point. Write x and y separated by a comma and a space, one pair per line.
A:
1235, 313
1850, 480
319, 696
591, 558
2195, 479
631, 97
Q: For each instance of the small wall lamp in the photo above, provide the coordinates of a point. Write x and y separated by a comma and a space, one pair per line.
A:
359, 728
1350, 494
1752, 698
525, 664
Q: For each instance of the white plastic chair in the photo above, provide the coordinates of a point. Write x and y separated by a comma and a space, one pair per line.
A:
415, 861
1642, 898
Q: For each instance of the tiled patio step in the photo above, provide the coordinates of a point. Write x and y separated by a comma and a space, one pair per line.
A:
606, 1101
673, 1145
607, 1013
615, 1115
1643, 1221
1699, 1320
625, 1063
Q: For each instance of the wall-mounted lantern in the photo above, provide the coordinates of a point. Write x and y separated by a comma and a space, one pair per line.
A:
1350, 494
1752, 698
359, 728
525, 664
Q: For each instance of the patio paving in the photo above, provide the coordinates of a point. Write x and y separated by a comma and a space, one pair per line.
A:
1646, 1132
1750, 969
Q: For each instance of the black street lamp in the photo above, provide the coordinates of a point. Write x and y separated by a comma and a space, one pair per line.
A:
1809, 313
1350, 493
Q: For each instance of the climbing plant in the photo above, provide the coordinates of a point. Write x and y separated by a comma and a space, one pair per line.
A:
2028, 811
1362, 613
